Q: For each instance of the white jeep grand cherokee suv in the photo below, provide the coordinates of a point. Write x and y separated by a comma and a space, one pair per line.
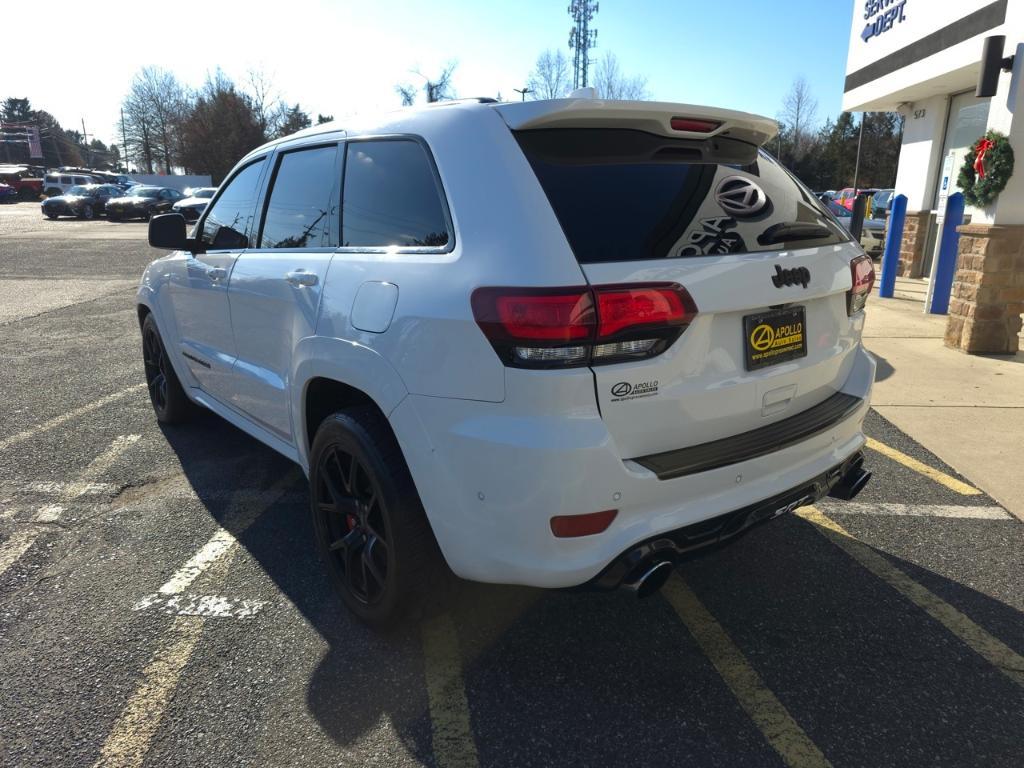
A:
556, 343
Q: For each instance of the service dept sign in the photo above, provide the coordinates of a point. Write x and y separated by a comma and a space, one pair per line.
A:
882, 15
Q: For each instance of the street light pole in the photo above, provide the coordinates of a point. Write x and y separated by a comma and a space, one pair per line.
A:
860, 140
523, 92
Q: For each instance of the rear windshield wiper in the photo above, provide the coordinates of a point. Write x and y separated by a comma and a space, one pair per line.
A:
789, 231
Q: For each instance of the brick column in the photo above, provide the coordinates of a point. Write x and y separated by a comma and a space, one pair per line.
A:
915, 233
988, 290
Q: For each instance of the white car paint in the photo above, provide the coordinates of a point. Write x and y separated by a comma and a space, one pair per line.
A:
496, 451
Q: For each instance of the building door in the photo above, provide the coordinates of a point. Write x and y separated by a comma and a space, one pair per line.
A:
968, 119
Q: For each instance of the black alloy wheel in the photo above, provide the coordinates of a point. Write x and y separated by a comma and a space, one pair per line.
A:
371, 529
352, 515
170, 403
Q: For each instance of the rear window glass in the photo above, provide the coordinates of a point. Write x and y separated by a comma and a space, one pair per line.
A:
392, 197
627, 195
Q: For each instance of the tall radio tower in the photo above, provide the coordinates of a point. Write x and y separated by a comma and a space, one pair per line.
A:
581, 39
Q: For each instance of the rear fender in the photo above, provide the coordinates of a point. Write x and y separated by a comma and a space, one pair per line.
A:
346, 362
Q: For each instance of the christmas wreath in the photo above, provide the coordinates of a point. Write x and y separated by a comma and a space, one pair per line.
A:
986, 170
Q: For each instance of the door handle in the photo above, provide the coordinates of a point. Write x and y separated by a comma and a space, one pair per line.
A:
216, 273
300, 278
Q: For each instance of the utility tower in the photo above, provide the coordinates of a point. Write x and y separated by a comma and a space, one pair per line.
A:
581, 39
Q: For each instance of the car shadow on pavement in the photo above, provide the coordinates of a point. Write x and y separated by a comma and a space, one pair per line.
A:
884, 369
565, 678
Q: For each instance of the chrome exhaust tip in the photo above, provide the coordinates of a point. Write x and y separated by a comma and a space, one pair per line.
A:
650, 579
851, 483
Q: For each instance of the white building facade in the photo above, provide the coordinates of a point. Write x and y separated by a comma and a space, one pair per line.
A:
923, 58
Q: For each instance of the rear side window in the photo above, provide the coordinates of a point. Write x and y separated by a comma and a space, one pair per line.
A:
227, 222
392, 197
301, 206
628, 195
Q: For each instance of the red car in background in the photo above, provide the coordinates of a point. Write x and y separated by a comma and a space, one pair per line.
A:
845, 197
25, 183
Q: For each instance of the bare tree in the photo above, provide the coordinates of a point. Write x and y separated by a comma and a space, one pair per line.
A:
799, 109
550, 78
408, 94
153, 110
434, 89
440, 87
612, 83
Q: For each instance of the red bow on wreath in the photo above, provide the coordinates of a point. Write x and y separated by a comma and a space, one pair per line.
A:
979, 159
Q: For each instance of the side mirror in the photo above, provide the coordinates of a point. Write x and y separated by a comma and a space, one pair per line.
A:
168, 231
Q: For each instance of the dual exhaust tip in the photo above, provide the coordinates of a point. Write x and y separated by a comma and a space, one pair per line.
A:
649, 578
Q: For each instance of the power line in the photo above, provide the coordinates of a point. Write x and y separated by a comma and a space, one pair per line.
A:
581, 39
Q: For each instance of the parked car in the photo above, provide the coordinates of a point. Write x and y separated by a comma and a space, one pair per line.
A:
523, 339
193, 205
22, 178
141, 202
55, 184
85, 202
846, 197
881, 202
8, 194
872, 233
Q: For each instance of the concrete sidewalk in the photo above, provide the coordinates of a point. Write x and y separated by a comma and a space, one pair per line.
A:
966, 409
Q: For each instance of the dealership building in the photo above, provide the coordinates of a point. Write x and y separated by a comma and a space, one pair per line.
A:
923, 59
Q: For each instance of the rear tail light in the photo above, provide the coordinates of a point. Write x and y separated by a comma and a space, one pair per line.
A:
863, 272
694, 125
571, 526
566, 327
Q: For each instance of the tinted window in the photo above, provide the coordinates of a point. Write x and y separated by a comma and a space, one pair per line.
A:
301, 206
627, 195
227, 221
391, 196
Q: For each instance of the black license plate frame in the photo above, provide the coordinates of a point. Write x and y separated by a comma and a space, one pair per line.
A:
774, 337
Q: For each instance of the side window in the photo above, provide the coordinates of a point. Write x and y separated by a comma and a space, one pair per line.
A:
301, 205
391, 196
65, 179
228, 219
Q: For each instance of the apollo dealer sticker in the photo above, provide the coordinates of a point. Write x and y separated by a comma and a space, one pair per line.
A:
626, 391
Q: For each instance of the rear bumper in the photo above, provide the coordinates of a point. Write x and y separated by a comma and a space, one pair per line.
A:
699, 537
491, 476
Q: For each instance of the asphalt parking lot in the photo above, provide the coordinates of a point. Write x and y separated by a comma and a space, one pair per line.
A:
160, 604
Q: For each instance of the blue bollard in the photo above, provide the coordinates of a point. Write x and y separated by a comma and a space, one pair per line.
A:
946, 267
893, 241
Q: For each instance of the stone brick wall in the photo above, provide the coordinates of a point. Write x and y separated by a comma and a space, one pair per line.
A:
915, 233
988, 290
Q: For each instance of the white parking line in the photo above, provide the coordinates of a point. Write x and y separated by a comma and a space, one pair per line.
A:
209, 606
20, 541
7, 442
918, 510
129, 739
243, 512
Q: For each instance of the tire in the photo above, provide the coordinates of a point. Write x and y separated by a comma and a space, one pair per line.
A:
145, 215
113, 216
86, 212
370, 527
170, 403
53, 192
51, 216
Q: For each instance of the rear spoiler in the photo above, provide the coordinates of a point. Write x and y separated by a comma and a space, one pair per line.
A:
683, 121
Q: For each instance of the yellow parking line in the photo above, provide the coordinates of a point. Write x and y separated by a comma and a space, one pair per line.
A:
446, 694
981, 642
128, 741
908, 461
767, 712
7, 442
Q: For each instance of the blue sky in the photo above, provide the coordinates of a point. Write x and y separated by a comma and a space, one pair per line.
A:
338, 56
